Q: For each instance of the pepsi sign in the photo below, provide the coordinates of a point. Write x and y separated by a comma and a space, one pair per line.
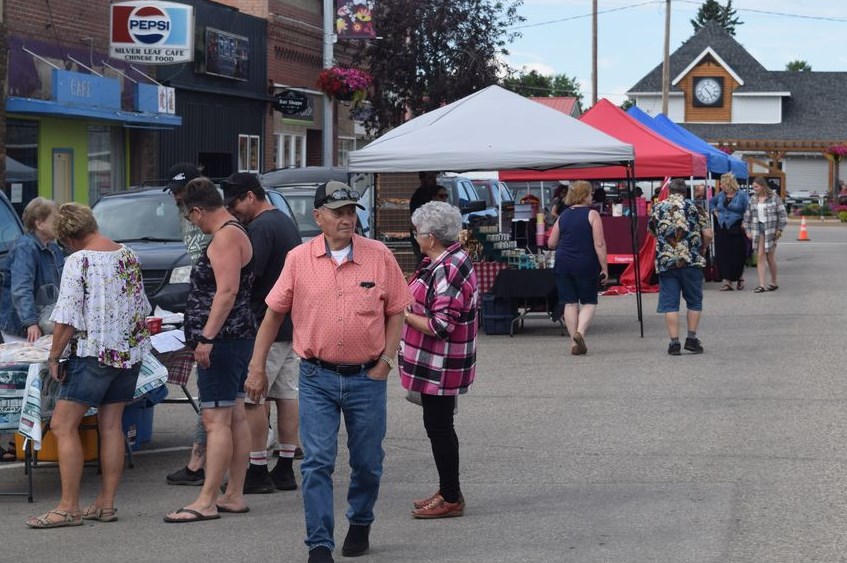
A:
152, 32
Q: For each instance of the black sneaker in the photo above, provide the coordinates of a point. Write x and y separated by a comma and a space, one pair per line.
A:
258, 480
298, 453
674, 349
321, 555
187, 477
282, 475
693, 345
356, 542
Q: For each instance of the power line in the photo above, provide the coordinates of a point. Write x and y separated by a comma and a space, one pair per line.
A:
585, 15
695, 2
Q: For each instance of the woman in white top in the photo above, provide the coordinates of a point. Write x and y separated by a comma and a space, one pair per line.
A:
764, 222
101, 315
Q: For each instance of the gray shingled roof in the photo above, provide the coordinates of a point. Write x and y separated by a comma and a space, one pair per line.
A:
816, 110
756, 77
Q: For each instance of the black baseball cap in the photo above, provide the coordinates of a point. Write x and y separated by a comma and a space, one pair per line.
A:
179, 175
334, 195
240, 184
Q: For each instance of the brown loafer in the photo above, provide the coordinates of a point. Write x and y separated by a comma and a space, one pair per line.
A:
422, 502
440, 508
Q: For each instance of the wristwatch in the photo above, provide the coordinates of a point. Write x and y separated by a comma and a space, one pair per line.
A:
203, 340
391, 363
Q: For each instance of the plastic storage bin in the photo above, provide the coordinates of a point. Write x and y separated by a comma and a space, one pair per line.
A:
49, 451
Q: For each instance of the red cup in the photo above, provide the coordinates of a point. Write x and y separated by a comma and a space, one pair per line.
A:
154, 325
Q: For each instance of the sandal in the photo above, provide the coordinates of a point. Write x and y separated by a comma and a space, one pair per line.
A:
725, 287
45, 520
773, 287
739, 285
100, 514
759, 289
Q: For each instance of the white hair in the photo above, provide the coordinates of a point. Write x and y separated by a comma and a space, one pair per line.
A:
440, 219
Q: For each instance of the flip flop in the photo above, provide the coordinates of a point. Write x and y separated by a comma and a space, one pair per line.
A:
226, 510
759, 289
772, 287
725, 287
198, 517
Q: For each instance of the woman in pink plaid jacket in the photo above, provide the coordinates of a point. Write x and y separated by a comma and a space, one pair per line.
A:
439, 345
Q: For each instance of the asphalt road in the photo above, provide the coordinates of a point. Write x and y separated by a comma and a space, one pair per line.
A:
623, 455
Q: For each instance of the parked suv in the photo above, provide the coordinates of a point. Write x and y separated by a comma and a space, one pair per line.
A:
10, 229
299, 185
148, 221
463, 194
494, 192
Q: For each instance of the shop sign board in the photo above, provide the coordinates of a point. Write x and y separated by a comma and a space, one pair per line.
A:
151, 32
71, 87
290, 103
154, 98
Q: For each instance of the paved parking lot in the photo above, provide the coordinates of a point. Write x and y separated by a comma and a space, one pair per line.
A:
623, 455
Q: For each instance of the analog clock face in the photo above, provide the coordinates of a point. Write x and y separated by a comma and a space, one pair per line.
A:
708, 91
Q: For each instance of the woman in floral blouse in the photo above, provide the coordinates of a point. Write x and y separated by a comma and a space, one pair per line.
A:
439, 345
100, 316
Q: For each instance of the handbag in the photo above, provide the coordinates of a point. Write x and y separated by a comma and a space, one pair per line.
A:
45, 302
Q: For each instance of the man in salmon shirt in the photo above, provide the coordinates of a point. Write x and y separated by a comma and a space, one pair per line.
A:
346, 296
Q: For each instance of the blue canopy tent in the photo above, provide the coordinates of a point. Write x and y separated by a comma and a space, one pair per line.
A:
718, 161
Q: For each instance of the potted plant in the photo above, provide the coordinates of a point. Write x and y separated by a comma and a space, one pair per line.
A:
344, 83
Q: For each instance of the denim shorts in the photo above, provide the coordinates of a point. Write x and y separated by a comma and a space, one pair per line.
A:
573, 289
688, 281
91, 383
222, 382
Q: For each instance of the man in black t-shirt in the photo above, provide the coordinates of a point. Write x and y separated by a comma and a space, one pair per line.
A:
424, 194
272, 234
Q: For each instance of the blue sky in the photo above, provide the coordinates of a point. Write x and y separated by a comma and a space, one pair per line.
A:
631, 36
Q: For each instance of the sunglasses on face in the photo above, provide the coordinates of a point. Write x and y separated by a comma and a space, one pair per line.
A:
339, 195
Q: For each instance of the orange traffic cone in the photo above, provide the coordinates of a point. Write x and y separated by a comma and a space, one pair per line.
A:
804, 233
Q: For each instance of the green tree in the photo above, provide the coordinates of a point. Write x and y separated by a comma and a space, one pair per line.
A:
627, 103
713, 11
533, 83
798, 66
433, 53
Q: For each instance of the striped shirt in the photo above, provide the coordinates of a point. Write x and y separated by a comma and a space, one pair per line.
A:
339, 311
446, 293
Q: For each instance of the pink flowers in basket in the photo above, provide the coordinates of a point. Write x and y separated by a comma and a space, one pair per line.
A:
344, 83
837, 151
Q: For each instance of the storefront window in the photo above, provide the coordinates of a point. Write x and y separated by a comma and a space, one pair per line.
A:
106, 164
21, 162
290, 151
345, 146
248, 153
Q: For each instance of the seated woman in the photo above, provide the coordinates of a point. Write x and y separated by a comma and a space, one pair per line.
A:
100, 315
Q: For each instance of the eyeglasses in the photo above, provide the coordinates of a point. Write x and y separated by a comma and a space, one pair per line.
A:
442, 196
419, 234
341, 194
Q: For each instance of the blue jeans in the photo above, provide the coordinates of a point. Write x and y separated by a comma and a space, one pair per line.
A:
324, 396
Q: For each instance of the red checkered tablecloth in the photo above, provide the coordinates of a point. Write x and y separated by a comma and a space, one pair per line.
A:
179, 364
486, 273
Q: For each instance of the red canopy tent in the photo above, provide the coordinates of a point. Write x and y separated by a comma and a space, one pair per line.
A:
655, 156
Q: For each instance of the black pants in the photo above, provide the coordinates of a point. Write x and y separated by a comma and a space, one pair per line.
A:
731, 252
438, 421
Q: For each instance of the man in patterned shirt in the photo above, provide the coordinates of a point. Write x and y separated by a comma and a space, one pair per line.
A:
682, 236
346, 296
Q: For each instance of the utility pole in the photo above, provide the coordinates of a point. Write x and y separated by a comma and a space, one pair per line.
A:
593, 52
666, 70
328, 120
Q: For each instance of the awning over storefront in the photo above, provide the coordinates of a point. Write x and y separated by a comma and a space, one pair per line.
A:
32, 106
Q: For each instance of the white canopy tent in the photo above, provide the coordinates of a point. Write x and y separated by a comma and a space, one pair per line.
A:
492, 129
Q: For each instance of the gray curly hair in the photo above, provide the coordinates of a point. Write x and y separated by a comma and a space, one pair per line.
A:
440, 219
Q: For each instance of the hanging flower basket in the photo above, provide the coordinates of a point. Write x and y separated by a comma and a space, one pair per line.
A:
837, 152
344, 83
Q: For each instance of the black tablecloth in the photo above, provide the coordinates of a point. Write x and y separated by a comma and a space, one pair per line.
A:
525, 284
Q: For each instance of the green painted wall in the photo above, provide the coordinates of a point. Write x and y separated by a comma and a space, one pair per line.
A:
63, 134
